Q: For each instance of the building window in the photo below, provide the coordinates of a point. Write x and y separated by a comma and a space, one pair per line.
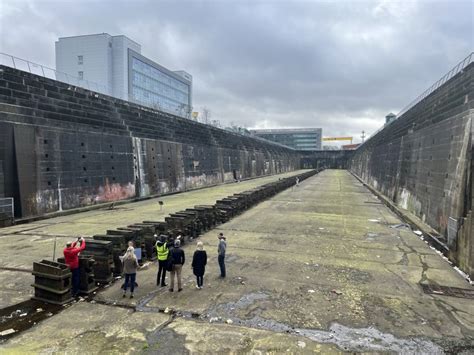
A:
80, 74
80, 59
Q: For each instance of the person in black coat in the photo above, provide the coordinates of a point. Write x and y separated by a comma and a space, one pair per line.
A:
199, 264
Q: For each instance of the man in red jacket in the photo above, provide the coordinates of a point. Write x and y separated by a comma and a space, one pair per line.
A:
71, 256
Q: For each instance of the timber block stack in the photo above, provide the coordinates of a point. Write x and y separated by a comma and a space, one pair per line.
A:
87, 282
52, 282
102, 253
147, 232
207, 215
87, 278
119, 243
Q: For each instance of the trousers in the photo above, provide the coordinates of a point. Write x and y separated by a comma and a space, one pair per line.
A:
161, 272
129, 280
221, 261
176, 271
76, 280
199, 280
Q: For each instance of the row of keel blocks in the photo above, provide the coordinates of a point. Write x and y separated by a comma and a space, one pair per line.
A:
100, 260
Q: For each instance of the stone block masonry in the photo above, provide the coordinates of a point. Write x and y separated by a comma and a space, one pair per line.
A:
422, 162
328, 159
63, 147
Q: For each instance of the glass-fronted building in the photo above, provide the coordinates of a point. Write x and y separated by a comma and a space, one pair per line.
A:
157, 87
296, 138
115, 64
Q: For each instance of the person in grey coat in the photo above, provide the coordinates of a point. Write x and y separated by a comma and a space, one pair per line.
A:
221, 249
130, 266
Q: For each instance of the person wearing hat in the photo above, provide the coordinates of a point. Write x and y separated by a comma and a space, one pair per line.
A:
177, 257
221, 249
162, 253
71, 258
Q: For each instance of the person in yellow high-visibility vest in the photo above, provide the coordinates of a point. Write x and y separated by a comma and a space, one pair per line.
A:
162, 252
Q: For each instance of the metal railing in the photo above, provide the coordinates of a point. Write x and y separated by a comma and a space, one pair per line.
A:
455, 70
50, 73
7, 207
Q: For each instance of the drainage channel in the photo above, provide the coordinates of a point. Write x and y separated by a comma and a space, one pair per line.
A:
433, 289
17, 269
22, 316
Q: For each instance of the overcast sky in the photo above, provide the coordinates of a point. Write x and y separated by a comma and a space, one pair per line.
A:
339, 65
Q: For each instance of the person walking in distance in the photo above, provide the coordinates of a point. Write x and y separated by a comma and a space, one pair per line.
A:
199, 264
162, 252
130, 266
177, 257
71, 257
221, 249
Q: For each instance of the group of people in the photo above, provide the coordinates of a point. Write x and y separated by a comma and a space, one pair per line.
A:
170, 257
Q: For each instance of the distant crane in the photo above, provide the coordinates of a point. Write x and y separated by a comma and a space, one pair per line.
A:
332, 139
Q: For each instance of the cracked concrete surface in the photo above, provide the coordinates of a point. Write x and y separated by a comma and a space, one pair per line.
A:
317, 268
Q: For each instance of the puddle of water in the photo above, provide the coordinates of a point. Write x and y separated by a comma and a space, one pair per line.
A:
402, 226
358, 339
244, 301
347, 338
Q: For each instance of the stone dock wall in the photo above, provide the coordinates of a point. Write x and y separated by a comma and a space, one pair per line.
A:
327, 159
422, 162
63, 147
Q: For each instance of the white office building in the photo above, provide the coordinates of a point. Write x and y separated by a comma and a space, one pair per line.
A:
116, 65
296, 138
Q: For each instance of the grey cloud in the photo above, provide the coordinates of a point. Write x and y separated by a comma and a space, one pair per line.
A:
337, 65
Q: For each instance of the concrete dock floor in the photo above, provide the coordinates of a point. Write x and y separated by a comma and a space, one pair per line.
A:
323, 267
35, 241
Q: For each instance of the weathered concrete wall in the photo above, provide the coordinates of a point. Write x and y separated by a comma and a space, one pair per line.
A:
462, 250
63, 147
422, 161
328, 159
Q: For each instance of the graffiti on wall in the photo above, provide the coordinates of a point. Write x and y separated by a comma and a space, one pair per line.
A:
114, 192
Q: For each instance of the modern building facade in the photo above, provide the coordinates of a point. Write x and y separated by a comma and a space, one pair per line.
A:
296, 138
116, 64
390, 118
